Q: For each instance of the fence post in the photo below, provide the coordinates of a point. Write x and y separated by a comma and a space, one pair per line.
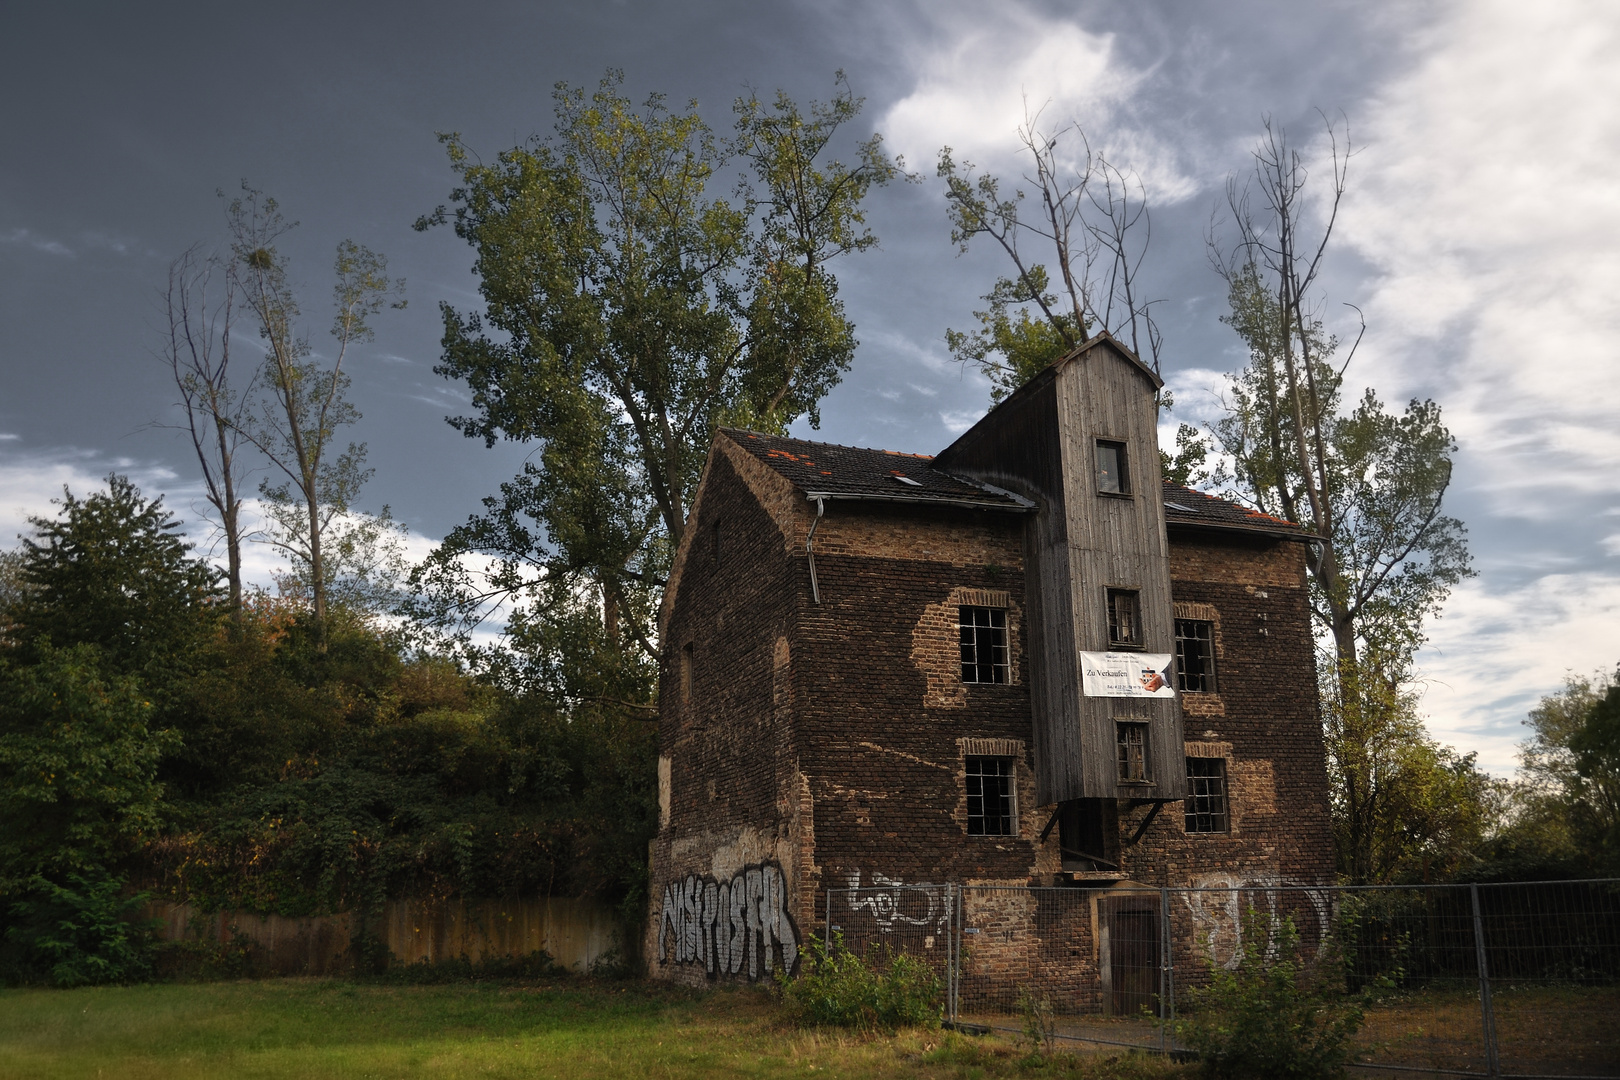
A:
1164, 967
950, 949
1487, 1014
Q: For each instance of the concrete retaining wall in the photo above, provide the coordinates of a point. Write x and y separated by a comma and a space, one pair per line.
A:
574, 932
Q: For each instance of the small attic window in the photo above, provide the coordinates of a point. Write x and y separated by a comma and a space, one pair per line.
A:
1178, 506
907, 480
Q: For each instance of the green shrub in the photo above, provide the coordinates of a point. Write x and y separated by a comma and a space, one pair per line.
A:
1038, 1030
81, 934
1272, 1015
882, 989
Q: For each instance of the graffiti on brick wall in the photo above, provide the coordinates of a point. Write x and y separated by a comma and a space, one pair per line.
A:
890, 900
735, 927
1219, 899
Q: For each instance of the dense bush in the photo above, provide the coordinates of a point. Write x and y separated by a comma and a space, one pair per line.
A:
238, 758
84, 933
1272, 1015
839, 988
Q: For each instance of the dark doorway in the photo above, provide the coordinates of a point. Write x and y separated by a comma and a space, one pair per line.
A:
1133, 947
1088, 831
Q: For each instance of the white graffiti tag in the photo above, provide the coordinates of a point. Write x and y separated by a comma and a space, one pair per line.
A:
891, 901
726, 926
1218, 901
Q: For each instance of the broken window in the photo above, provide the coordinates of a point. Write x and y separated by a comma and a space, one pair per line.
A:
1206, 795
984, 644
1124, 619
1111, 475
1195, 656
1133, 751
990, 803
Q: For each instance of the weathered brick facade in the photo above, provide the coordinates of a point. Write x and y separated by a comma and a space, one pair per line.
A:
811, 744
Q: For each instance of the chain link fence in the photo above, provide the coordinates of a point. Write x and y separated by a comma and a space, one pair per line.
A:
1509, 980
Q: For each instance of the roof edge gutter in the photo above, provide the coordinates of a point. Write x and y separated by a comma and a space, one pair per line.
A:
1248, 530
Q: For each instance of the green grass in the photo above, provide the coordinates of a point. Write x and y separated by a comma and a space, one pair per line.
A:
562, 1028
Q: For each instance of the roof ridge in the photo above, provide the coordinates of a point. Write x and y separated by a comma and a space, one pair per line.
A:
817, 442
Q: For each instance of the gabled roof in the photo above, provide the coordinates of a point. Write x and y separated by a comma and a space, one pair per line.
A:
829, 471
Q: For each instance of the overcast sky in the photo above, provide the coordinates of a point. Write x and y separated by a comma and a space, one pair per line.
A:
1481, 234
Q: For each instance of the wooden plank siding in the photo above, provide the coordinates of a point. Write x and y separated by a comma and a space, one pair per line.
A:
1117, 541
1040, 442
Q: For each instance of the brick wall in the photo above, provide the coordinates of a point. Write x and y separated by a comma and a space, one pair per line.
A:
733, 797
830, 740
1263, 720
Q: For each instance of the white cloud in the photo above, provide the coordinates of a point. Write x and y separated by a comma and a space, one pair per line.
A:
977, 79
31, 239
1486, 199
29, 483
1497, 652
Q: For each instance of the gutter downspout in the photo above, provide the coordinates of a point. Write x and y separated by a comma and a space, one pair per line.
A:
809, 539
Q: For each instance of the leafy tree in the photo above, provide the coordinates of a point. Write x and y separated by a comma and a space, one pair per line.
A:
1421, 812
78, 766
1566, 812
111, 572
628, 312
304, 401
1368, 483
1373, 492
1092, 222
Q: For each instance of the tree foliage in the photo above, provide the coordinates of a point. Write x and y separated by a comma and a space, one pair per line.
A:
1092, 224
1370, 485
1565, 814
628, 312
111, 571
78, 766
1391, 555
1405, 808
304, 401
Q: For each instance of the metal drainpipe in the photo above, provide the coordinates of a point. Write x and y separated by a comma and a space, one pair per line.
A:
809, 539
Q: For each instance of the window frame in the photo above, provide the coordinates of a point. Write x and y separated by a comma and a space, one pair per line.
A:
1006, 818
1209, 684
994, 627
1122, 468
1129, 734
1191, 813
1114, 640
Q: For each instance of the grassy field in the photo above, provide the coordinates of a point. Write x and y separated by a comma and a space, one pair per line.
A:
566, 1029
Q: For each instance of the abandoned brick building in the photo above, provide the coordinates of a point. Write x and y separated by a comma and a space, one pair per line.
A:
883, 668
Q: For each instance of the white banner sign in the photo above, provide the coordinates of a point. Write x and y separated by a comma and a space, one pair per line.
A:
1127, 674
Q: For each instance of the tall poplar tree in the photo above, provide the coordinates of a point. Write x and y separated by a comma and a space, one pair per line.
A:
628, 312
1370, 484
